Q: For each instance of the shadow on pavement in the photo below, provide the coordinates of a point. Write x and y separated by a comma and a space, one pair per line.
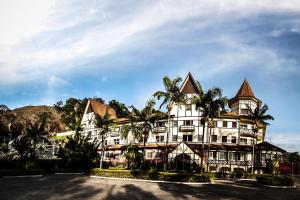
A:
228, 191
47, 187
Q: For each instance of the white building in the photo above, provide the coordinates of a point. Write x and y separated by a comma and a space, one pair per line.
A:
228, 144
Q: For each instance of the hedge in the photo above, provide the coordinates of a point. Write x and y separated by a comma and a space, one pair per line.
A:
21, 172
151, 175
275, 180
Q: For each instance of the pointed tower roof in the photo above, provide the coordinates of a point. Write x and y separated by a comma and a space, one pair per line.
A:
189, 85
245, 90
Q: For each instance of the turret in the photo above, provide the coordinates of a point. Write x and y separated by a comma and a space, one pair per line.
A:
243, 97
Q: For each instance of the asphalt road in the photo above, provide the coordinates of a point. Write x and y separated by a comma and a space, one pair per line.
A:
83, 187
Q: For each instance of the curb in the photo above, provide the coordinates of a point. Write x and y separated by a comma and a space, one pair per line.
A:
273, 186
150, 181
74, 173
24, 176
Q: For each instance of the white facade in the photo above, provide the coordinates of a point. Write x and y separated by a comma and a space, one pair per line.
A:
229, 140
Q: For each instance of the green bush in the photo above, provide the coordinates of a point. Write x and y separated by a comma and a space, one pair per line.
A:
275, 180
151, 175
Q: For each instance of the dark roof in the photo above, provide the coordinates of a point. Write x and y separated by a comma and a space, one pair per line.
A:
269, 147
189, 85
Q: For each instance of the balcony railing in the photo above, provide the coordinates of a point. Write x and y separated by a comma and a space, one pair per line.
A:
159, 129
230, 162
247, 132
187, 128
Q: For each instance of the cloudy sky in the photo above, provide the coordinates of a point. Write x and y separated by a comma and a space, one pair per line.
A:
52, 50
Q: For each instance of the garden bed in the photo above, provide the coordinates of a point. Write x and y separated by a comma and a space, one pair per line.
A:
151, 175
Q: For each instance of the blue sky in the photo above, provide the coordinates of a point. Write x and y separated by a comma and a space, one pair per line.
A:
52, 50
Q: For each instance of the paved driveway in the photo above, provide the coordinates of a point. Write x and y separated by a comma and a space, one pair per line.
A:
82, 187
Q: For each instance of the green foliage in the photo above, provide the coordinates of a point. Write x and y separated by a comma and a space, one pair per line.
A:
275, 180
151, 175
133, 156
81, 148
121, 109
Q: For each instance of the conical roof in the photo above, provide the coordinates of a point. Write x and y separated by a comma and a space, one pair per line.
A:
189, 85
245, 90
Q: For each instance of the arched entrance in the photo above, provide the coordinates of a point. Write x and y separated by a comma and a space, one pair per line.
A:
183, 162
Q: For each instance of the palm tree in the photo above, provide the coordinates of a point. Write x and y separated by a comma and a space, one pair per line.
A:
103, 124
135, 130
171, 95
210, 104
259, 117
146, 117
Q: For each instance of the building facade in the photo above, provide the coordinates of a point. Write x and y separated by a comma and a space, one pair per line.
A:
227, 142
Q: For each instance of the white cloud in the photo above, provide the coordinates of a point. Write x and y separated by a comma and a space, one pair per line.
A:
55, 34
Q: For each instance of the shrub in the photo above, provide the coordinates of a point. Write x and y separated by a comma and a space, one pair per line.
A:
152, 175
275, 180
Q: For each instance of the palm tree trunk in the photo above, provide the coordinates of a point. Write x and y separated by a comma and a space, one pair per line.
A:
102, 152
202, 153
167, 140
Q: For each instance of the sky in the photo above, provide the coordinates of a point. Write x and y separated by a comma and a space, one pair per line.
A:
51, 50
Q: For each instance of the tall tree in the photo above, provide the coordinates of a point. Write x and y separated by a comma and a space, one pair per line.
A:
210, 104
171, 95
259, 117
103, 124
121, 109
38, 130
146, 117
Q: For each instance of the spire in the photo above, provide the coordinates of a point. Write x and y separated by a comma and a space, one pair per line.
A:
189, 85
245, 90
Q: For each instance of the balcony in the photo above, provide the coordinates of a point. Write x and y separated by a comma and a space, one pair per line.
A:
247, 133
159, 129
185, 128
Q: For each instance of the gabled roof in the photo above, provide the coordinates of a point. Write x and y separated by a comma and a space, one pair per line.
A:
100, 109
189, 85
245, 90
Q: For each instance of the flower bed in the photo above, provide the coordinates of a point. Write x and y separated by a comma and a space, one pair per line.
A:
151, 175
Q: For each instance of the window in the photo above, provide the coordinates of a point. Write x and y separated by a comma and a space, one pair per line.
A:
188, 138
224, 139
160, 124
231, 155
188, 107
214, 138
188, 122
224, 123
149, 154
215, 124
243, 141
160, 138
213, 155
222, 155
175, 123
233, 139
174, 138
157, 155
243, 126
200, 138
117, 141
244, 111
234, 124
240, 156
